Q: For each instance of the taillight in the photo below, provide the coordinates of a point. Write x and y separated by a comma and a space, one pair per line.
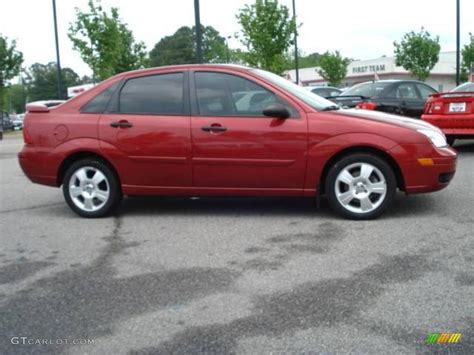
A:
437, 107
367, 105
26, 134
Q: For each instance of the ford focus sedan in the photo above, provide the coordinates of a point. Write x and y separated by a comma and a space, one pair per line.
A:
221, 130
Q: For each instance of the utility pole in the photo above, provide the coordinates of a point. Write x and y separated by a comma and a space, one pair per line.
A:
198, 32
58, 62
458, 42
296, 47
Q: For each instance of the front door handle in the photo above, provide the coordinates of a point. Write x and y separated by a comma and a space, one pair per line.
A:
214, 128
121, 124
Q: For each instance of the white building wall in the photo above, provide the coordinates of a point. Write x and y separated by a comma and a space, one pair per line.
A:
442, 77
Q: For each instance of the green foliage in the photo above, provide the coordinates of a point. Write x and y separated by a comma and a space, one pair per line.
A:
41, 81
309, 61
267, 33
180, 47
104, 42
15, 98
467, 59
333, 67
418, 53
10, 64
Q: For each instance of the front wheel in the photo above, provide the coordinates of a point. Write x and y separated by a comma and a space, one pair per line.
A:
91, 188
360, 186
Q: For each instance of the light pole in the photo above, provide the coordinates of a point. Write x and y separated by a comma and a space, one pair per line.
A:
227, 48
58, 62
198, 32
296, 47
458, 42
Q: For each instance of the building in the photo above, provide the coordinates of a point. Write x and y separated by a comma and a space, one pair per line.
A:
442, 77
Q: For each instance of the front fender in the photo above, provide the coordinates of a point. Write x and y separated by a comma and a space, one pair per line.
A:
321, 152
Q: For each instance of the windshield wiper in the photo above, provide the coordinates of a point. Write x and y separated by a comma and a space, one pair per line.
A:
331, 108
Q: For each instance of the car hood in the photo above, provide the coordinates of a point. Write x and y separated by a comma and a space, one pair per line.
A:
394, 120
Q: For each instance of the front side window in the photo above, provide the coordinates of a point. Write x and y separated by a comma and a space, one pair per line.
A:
160, 94
220, 94
406, 91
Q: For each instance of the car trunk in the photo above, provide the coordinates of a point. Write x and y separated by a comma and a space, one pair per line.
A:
451, 110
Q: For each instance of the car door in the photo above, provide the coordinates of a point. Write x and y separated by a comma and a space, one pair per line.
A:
402, 99
146, 131
235, 146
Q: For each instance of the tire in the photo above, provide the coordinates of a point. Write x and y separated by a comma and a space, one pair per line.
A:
360, 197
450, 140
91, 188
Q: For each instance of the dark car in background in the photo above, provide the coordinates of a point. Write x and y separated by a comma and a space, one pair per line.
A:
452, 112
325, 91
400, 97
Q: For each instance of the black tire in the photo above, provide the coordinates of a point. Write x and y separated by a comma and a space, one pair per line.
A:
353, 159
113, 188
450, 140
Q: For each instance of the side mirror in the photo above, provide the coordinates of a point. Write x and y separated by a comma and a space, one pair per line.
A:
276, 110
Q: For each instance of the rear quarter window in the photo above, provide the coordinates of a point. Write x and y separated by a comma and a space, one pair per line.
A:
99, 103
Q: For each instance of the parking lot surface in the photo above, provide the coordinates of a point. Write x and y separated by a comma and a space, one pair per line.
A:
175, 275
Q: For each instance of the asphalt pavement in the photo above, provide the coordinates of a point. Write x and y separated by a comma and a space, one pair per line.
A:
217, 275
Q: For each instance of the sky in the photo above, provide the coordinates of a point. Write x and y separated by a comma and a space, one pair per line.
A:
359, 29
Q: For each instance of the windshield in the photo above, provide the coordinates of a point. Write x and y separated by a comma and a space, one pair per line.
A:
366, 89
464, 87
316, 102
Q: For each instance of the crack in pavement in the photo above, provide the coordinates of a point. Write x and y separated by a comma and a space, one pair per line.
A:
86, 302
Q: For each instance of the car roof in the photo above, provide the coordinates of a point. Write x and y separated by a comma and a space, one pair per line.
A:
237, 67
389, 81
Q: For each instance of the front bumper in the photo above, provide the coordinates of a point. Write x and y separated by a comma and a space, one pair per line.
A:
420, 178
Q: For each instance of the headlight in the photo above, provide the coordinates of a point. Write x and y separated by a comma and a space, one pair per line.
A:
438, 139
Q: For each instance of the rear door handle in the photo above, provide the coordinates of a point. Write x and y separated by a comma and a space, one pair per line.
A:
214, 128
121, 124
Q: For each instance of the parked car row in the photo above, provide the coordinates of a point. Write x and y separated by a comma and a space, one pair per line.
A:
452, 111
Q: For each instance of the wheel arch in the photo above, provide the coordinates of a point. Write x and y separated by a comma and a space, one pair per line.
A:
72, 158
362, 149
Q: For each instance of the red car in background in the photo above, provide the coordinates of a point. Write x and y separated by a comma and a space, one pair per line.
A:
453, 112
222, 130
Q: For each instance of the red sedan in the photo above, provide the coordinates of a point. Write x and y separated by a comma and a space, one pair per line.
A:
453, 112
220, 130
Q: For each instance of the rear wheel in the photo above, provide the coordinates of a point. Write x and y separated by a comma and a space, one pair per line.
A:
91, 188
360, 186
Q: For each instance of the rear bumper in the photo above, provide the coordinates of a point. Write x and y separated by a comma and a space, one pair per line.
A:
420, 178
452, 124
34, 166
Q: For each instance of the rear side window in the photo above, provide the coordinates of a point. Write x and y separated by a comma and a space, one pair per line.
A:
160, 94
425, 91
99, 103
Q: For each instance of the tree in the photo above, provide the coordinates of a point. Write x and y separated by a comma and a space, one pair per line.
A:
418, 53
10, 65
467, 59
41, 81
104, 42
333, 67
180, 47
267, 33
15, 98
